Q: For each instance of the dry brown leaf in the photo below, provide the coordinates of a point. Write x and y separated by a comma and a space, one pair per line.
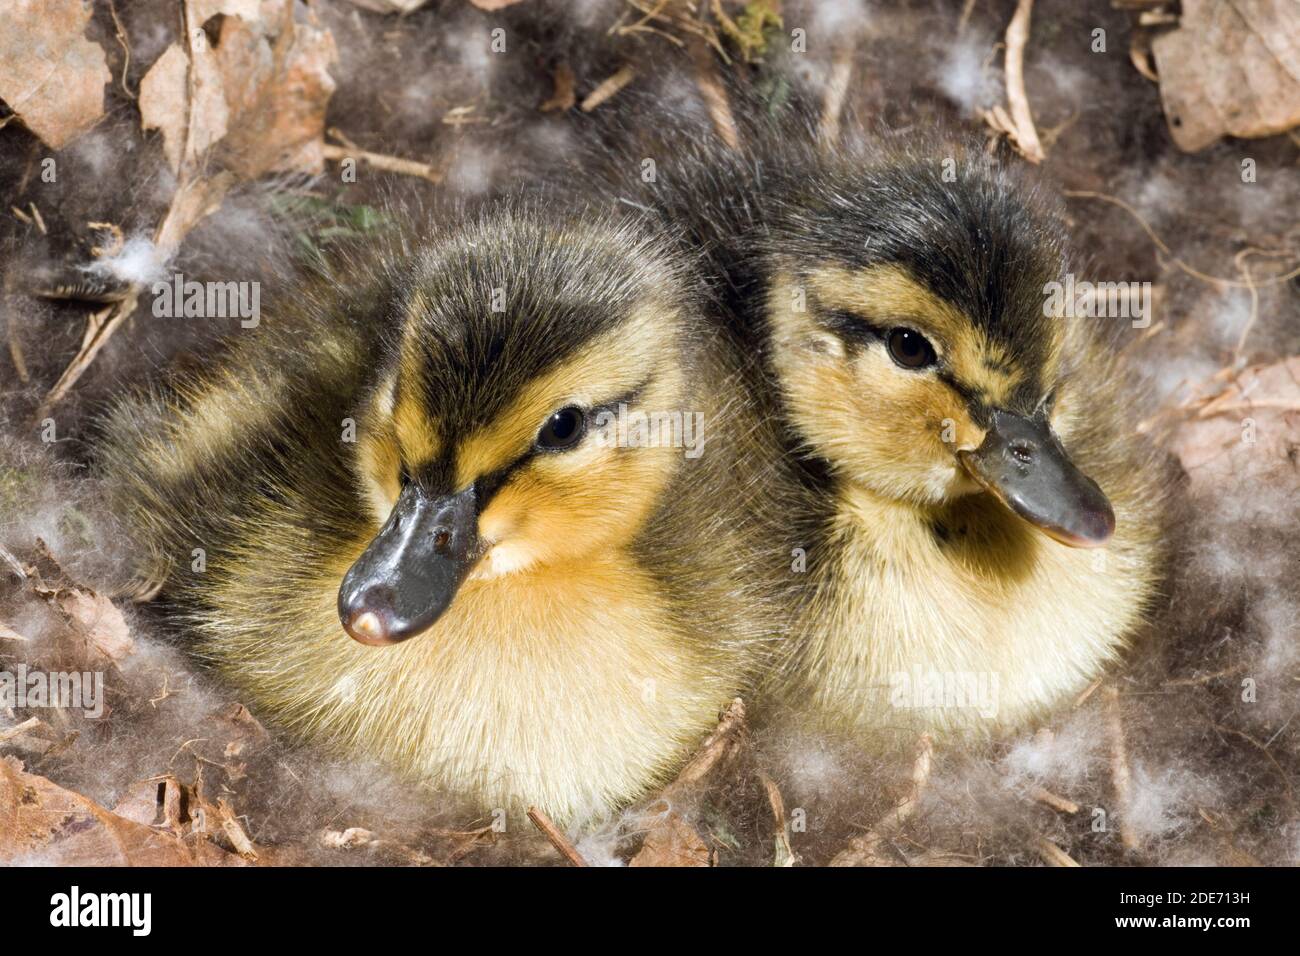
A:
92, 618
277, 90
165, 105
99, 621
1232, 68
669, 839
234, 832
53, 77
1248, 434
260, 92
41, 821
674, 842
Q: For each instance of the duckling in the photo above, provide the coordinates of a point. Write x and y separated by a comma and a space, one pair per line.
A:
984, 529
515, 467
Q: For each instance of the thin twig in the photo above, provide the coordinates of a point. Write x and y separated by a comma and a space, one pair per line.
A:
725, 741
828, 126
868, 849
125, 42
1262, 748
1022, 119
391, 164
1121, 778
715, 97
14, 564
31, 723
967, 9
558, 839
1087, 692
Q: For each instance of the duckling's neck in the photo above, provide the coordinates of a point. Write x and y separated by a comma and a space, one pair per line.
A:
959, 616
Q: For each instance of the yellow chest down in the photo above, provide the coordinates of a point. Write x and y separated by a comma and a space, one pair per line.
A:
963, 620
566, 687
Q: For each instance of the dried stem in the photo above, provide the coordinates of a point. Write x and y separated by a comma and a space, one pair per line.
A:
1121, 779
784, 852
1052, 854
558, 839
1055, 801
837, 88
715, 96
868, 849
1023, 130
31, 723
390, 164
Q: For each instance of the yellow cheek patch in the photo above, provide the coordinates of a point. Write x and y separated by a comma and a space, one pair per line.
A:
612, 364
912, 400
886, 294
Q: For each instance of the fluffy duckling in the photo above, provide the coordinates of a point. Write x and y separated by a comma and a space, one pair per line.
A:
985, 524
448, 453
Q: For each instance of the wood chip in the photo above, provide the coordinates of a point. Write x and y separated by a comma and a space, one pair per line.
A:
563, 96
608, 88
1052, 854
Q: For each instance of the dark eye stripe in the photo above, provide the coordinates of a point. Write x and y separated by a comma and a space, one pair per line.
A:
850, 326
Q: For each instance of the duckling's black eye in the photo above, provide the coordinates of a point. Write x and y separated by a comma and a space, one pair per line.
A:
910, 349
563, 430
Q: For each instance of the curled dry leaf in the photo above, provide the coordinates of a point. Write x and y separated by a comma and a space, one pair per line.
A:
99, 621
257, 94
165, 105
42, 822
673, 842
563, 97
1232, 68
53, 77
1249, 433
92, 617
670, 840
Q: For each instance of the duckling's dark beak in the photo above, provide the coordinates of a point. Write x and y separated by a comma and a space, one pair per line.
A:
1021, 462
408, 576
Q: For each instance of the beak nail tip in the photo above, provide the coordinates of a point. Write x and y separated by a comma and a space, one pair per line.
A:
368, 628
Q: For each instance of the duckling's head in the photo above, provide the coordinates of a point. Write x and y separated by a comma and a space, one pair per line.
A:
912, 343
495, 439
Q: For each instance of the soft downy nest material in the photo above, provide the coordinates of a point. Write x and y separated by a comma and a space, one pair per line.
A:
1187, 753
